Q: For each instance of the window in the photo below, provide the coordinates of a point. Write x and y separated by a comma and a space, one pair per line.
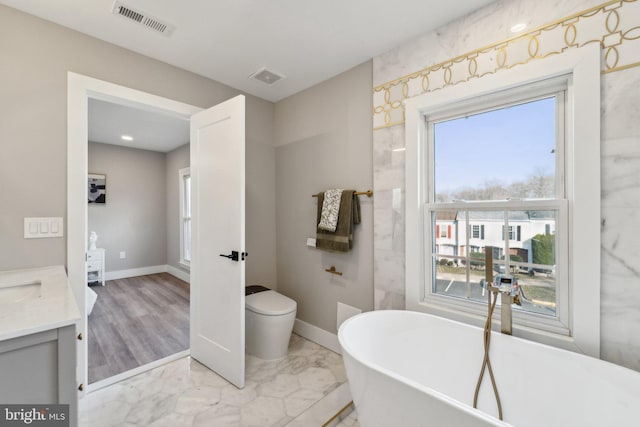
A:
514, 232
477, 231
185, 216
495, 163
514, 159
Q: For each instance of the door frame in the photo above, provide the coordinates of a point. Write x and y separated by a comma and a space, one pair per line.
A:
79, 89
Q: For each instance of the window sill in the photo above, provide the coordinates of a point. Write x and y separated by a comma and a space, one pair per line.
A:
478, 319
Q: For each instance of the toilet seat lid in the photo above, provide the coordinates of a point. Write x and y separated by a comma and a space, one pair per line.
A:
270, 303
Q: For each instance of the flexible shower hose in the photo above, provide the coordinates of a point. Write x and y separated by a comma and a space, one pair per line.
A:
486, 362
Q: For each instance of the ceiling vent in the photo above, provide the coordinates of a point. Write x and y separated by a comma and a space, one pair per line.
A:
266, 76
142, 18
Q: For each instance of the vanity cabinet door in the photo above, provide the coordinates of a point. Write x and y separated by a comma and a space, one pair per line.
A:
40, 369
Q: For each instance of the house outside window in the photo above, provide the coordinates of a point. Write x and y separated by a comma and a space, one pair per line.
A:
185, 216
515, 158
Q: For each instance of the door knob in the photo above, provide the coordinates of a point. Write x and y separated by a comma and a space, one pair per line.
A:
234, 256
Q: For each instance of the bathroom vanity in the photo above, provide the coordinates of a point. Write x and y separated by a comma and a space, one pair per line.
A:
38, 316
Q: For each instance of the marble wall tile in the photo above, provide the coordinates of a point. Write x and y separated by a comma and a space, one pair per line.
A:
389, 158
620, 283
387, 300
620, 106
620, 246
620, 286
620, 175
389, 270
485, 26
389, 218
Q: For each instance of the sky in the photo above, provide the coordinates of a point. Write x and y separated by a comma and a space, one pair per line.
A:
505, 146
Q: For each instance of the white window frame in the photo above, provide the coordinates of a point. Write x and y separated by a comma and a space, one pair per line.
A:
580, 69
184, 217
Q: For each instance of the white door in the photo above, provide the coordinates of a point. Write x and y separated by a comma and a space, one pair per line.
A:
217, 197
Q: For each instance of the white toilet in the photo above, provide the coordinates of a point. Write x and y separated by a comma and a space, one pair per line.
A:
269, 318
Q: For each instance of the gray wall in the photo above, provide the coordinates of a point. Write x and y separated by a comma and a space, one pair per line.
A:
324, 144
134, 217
260, 190
174, 160
36, 56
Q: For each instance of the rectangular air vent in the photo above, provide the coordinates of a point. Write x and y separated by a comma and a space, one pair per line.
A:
266, 76
142, 18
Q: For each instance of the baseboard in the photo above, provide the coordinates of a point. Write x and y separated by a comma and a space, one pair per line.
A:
180, 274
317, 335
143, 271
133, 272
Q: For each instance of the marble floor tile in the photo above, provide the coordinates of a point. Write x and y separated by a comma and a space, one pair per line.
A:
337, 404
185, 393
296, 403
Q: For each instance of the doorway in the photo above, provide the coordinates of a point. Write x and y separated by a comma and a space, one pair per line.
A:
80, 90
141, 313
217, 159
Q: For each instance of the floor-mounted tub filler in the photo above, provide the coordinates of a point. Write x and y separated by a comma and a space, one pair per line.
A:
412, 369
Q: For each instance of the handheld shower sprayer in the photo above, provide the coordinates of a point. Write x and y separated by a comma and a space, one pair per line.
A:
486, 362
507, 287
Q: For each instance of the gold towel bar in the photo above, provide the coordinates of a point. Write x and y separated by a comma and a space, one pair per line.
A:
367, 193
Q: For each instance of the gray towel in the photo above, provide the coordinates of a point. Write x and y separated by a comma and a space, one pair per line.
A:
342, 239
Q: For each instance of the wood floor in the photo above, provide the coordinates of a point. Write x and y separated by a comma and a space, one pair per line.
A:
136, 321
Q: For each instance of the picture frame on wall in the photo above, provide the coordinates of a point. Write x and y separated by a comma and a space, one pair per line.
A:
97, 189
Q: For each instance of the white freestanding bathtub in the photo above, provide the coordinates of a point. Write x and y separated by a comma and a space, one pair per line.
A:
413, 369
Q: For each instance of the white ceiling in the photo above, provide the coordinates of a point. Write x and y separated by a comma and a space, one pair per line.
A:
307, 41
150, 130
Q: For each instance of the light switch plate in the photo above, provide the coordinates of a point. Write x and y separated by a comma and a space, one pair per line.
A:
43, 227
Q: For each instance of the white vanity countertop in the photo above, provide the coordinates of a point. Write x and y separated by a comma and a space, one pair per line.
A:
38, 308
